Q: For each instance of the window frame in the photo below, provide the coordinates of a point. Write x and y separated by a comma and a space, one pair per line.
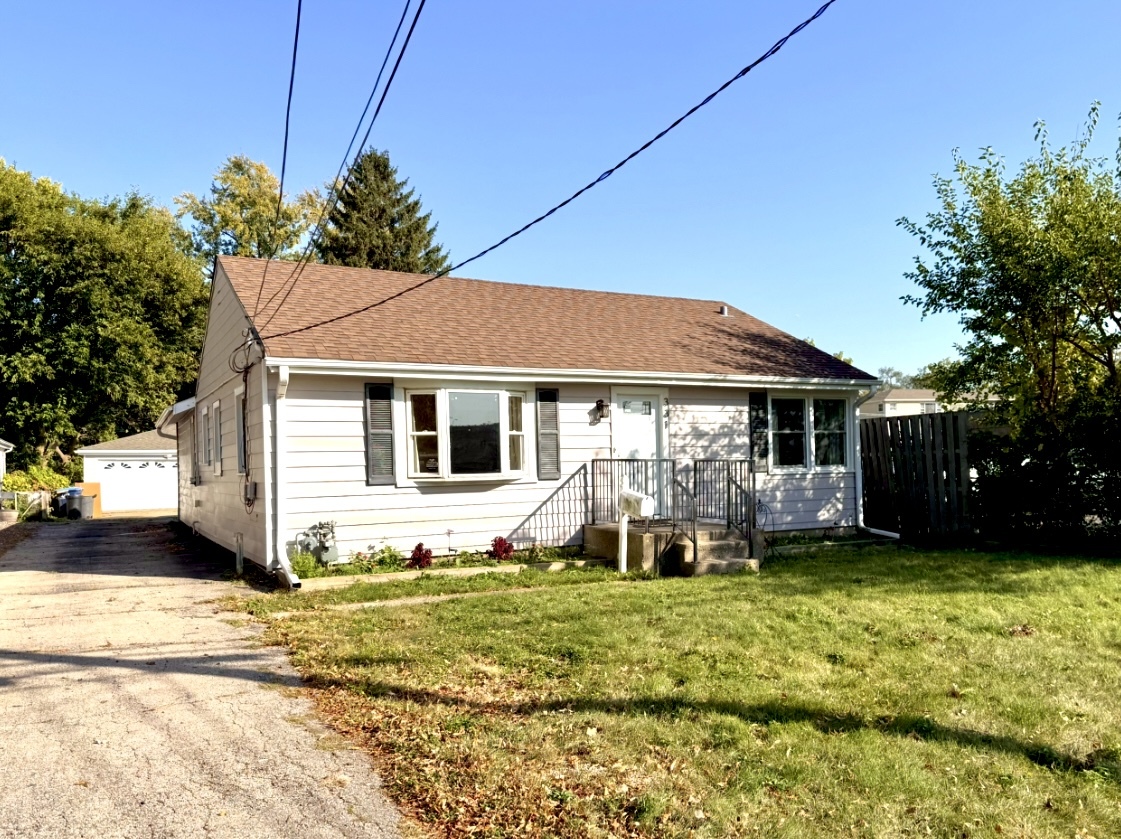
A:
207, 459
809, 464
240, 428
403, 441
216, 424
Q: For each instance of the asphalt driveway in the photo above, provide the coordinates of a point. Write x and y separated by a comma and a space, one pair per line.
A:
130, 706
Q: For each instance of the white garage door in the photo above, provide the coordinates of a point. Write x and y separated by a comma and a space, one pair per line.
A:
134, 484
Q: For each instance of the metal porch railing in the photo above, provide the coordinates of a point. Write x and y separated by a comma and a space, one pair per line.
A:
717, 490
653, 477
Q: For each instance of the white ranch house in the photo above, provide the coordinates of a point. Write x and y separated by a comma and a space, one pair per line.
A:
464, 410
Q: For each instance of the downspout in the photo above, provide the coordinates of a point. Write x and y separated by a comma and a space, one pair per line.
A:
860, 469
267, 491
283, 566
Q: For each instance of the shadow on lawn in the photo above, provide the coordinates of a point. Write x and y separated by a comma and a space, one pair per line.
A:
922, 571
920, 728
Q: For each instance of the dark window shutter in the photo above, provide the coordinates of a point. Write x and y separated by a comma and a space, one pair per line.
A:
379, 434
548, 435
760, 439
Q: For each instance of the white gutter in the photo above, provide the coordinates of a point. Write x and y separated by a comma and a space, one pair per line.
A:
860, 469
282, 565
315, 366
140, 454
176, 411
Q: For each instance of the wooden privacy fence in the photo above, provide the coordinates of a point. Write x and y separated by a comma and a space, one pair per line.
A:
916, 474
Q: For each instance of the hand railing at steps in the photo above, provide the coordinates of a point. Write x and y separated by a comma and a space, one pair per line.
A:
741, 508
716, 494
685, 514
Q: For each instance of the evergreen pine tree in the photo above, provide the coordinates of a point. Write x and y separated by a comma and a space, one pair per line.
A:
377, 223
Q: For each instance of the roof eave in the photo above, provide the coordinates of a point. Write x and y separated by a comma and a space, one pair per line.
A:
316, 366
121, 453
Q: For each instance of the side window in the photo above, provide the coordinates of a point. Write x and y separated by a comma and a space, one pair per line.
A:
424, 435
829, 432
206, 443
788, 432
216, 421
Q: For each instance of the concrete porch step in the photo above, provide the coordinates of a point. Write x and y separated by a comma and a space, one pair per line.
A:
714, 556
717, 566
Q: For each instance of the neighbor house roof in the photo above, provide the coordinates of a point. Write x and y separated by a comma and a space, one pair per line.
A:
5, 446
489, 324
902, 394
146, 441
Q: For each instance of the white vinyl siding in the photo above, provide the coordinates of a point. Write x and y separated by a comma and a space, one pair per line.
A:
713, 423
326, 478
215, 505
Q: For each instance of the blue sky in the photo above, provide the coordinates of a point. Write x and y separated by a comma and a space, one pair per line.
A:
779, 197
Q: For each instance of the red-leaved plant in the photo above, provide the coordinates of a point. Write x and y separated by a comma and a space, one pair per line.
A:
421, 557
500, 549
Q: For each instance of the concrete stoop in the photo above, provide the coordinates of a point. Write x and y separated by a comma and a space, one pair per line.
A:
719, 550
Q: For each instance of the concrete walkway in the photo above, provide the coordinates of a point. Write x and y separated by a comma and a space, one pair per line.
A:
130, 707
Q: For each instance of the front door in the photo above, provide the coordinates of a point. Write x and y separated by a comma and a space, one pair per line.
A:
634, 426
635, 436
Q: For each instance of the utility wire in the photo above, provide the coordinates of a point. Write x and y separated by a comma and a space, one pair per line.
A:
298, 272
284, 156
778, 45
331, 196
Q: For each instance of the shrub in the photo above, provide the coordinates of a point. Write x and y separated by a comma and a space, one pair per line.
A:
500, 549
387, 558
36, 478
421, 557
306, 565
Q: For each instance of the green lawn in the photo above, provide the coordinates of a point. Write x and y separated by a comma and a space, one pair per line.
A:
863, 693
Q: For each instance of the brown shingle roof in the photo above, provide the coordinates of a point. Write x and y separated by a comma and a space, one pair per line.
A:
490, 324
146, 441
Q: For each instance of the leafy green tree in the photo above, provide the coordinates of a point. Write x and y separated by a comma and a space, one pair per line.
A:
239, 216
892, 377
377, 223
934, 376
1031, 263
103, 309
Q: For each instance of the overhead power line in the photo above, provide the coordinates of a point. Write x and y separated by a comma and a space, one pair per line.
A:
335, 193
284, 155
778, 45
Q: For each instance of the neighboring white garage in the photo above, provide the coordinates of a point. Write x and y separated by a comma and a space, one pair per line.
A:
5, 447
136, 473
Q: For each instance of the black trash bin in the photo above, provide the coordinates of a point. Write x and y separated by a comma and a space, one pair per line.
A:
74, 503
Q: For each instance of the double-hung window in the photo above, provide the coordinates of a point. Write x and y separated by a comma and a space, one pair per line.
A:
216, 421
465, 433
207, 439
808, 431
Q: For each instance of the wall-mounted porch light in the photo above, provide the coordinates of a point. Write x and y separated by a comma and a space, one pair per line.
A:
602, 409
